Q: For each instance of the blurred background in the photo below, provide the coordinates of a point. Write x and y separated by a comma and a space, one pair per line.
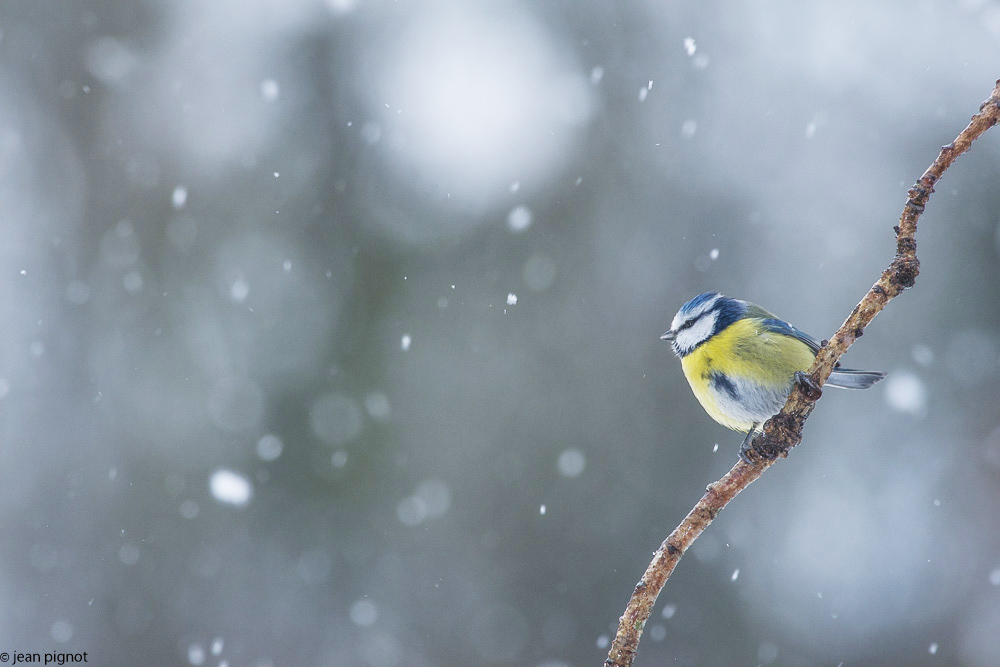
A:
330, 330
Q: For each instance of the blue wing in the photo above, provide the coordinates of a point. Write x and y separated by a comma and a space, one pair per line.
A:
782, 327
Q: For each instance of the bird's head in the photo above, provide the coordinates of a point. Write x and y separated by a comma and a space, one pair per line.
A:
701, 318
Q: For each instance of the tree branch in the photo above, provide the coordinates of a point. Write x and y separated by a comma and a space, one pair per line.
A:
784, 430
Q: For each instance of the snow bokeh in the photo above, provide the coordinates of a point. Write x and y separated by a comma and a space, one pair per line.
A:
906, 392
456, 102
230, 488
476, 97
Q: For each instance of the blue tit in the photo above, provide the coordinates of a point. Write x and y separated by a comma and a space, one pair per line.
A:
741, 360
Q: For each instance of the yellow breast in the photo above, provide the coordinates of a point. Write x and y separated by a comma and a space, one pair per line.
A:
750, 356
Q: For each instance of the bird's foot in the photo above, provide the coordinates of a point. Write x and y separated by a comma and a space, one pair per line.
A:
747, 452
807, 386
758, 449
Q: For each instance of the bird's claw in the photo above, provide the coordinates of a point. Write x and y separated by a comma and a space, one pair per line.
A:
747, 453
756, 449
807, 386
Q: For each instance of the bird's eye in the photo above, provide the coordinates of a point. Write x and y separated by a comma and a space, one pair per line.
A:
686, 325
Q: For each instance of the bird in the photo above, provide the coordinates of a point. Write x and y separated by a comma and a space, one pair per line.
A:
741, 361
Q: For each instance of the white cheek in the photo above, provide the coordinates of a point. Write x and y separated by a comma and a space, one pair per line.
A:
695, 334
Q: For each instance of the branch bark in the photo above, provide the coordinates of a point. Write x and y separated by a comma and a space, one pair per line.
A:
784, 430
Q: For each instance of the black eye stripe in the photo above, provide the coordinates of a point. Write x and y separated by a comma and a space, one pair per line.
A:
693, 321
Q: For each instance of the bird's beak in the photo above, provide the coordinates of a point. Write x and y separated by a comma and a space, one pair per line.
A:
670, 335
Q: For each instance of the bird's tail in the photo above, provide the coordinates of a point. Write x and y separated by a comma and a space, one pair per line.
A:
847, 378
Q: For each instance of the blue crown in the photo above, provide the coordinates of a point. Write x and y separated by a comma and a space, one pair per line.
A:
698, 300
